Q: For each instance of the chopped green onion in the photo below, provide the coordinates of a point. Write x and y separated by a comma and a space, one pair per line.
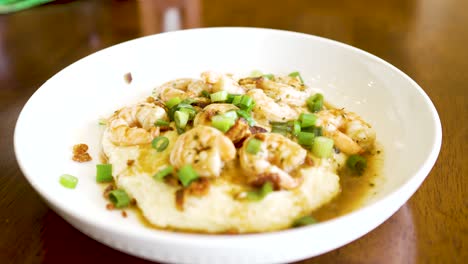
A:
231, 115
246, 102
268, 76
173, 101
314, 129
283, 130
322, 147
249, 109
220, 96
231, 97
188, 101
305, 220
222, 122
187, 174
357, 163
256, 73
274, 123
119, 198
205, 94
104, 173
163, 173
258, 195
254, 145
180, 130
244, 114
296, 127
296, 74
68, 181
236, 100
305, 138
161, 122
102, 121
307, 120
160, 143
190, 111
181, 118
315, 102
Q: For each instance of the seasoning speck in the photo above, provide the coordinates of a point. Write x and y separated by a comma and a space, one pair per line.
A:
124, 214
110, 206
128, 77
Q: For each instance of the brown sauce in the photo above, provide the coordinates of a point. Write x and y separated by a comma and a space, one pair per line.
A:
354, 189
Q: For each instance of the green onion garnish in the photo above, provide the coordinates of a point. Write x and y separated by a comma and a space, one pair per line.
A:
305, 138
163, 173
254, 145
104, 173
187, 174
255, 73
161, 122
258, 195
307, 120
205, 94
322, 147
160, 143
296, 127
222, 122
244, 114
314, 129
68, 181
190, 111
268, 76
173, 101
231, 97
220, 96
181, 118
356, 163
315, 102
236, 99
305, 220
231, 114
102, 121
283, 130
246, 102
188, 101
180, 130
119, 198
296, 74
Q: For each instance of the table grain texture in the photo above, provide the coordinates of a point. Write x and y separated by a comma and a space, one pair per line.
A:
427, 39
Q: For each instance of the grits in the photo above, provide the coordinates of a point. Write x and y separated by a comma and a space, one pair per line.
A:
219, 210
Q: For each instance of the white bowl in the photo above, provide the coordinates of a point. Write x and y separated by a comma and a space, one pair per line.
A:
65, 110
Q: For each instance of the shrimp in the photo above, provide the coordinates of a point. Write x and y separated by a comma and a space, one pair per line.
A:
222, 82
267, 108
205, 115
182, 88
205, 148
350, 133
134, 125
282, 92
236, 133
278, 156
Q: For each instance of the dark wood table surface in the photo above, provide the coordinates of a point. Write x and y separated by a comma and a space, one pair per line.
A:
427, 39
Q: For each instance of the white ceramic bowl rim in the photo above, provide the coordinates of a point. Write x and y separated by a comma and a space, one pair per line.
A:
207, 240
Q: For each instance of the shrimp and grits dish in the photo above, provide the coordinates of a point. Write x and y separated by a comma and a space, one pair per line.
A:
224, 154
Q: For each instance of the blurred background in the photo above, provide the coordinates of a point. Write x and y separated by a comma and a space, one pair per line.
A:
425, 38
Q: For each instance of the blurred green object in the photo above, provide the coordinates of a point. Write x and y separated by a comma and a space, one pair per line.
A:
9, 6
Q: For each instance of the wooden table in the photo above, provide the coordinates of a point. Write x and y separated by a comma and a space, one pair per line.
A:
426, 39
